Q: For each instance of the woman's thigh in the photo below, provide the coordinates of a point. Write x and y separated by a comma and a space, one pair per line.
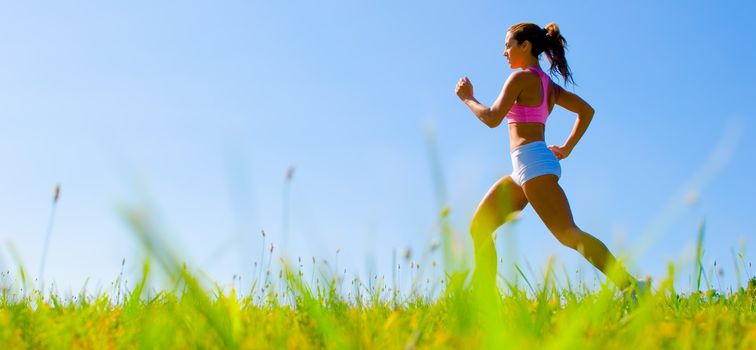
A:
502, 199
549, 202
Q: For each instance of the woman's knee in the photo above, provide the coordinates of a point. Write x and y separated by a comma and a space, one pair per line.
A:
483, 226
478, 230
570, 236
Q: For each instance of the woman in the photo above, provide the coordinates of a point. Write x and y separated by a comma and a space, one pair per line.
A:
526, 101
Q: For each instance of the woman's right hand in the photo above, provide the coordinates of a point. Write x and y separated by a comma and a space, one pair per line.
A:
464, 89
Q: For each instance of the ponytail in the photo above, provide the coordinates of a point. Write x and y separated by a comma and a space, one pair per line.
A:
548, 40
555, 44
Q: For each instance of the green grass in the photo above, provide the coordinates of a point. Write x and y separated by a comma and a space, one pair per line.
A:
285, 310
319, 317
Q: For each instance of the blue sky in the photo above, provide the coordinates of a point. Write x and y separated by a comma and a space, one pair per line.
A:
200, 108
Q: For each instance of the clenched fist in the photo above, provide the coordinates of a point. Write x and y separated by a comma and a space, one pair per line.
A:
464, 89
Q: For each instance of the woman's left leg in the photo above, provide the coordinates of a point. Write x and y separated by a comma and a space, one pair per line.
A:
550, 203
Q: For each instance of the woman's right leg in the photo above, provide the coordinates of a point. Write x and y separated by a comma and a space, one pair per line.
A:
551, 205
503, 198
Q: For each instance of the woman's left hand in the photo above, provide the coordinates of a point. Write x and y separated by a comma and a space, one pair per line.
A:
560, 152
464, 89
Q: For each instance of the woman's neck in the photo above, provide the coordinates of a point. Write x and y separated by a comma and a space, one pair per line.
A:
533, 62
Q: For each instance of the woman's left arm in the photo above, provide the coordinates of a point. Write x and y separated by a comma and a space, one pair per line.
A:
494, 115
584, 111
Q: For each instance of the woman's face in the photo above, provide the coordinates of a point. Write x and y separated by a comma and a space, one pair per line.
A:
514, 52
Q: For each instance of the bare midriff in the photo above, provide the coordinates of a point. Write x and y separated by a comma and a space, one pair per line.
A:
524, 133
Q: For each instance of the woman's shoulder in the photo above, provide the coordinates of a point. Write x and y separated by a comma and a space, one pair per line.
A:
520, 77
528, 75
522, 73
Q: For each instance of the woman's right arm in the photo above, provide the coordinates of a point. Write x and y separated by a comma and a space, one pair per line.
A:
584, 111
499, 109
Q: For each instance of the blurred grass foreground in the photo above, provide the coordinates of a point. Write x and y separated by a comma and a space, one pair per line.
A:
293, 313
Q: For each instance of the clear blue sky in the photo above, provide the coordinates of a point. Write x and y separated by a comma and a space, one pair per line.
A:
201, 107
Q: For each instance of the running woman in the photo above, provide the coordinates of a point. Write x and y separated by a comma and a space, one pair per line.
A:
526, 100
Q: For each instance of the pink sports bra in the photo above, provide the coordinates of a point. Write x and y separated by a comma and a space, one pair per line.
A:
526, 114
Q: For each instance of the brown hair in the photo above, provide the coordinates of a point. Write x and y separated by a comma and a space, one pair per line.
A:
547, 39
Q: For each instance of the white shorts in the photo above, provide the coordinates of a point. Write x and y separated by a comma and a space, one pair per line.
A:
533, 159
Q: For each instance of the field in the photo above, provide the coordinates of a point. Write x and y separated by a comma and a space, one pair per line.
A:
321, 318
287, 309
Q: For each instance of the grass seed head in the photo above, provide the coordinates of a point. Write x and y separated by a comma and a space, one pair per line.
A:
56, 193
289, 172
435, 244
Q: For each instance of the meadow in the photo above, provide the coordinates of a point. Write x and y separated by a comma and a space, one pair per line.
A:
286, 308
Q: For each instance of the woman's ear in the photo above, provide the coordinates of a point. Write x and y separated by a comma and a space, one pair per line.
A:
526, 45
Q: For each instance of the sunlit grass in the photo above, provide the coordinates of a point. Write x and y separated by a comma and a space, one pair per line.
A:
283, 309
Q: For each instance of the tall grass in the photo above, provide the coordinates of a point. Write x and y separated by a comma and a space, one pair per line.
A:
291, 312
46, 244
